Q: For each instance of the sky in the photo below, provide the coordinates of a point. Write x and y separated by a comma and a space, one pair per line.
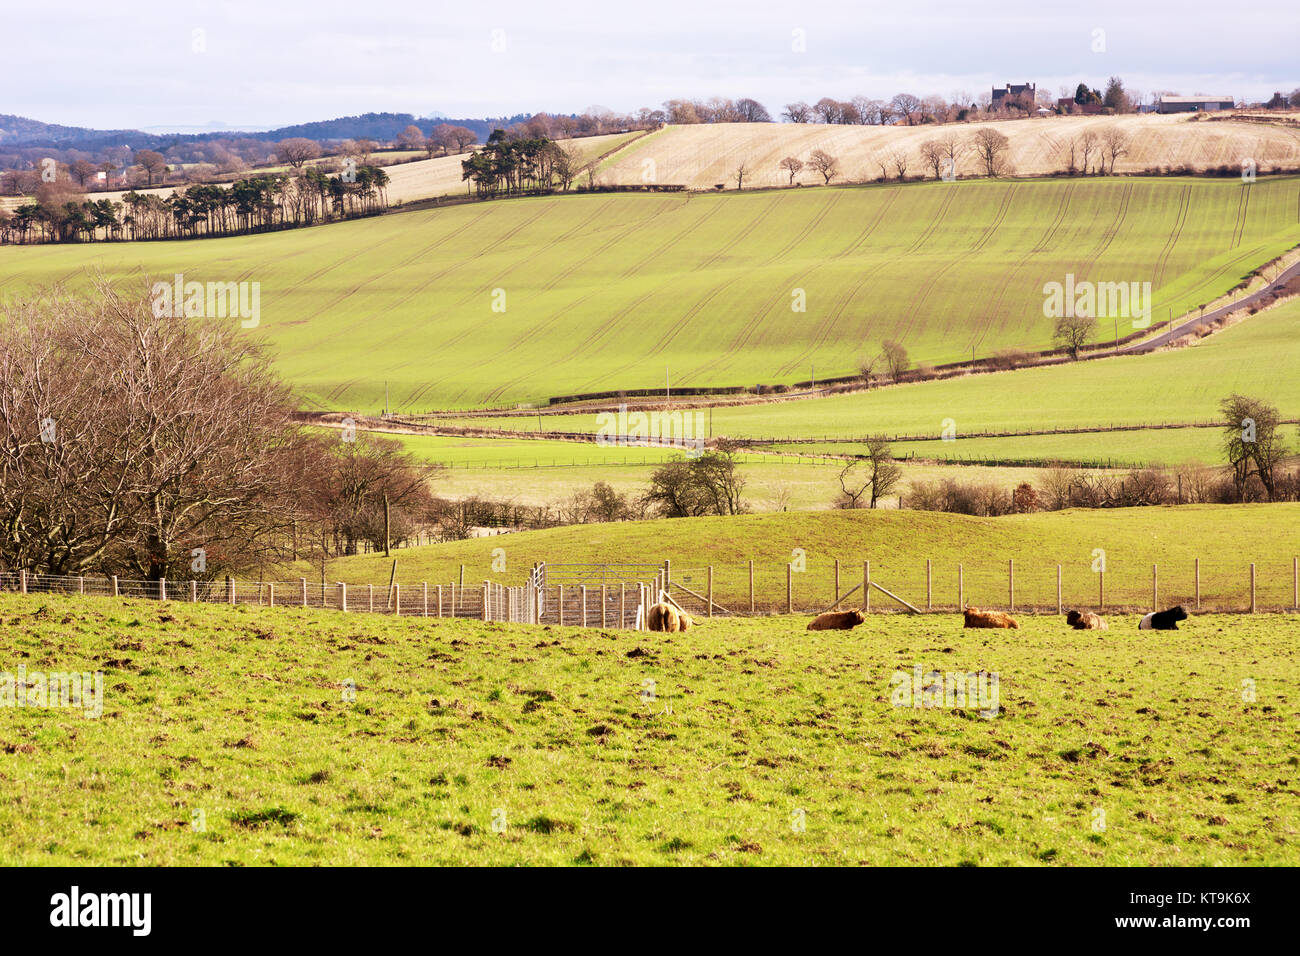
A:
251, 64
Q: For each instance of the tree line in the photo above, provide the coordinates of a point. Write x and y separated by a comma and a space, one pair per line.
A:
247, 205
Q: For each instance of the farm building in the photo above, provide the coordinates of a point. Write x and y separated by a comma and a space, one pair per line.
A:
1193, 104
1014, 93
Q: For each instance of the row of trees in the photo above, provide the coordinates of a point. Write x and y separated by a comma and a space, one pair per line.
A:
510, 166
156, 447
246, 205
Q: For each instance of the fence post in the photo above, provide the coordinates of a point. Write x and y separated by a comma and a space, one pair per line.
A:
668, 575
370, 598
81, 585
1058, 589
424, 587
1252, 587
961, 589
302, 589
194, 592
439, 600
622, 604
487, 608
751, 585
1155, 587
462, 587
559, 603
397, 600
230, 589
837, 580
929, 586
1011, 581
866, 585
1101, 589
582, 593
789, 589
162, 589
603, 604
115, 585
710, 591
22, 581
270, 595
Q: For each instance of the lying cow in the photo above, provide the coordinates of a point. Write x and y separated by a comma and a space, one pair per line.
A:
836, 621
1086, 621
977, 618
1163, 620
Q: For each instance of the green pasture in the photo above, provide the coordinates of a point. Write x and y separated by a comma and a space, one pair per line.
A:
246, 736
519, 300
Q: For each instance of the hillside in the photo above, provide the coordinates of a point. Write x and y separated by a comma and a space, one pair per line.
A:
608, 291
701, 156
898, 543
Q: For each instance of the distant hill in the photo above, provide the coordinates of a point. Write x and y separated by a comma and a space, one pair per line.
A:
20, 131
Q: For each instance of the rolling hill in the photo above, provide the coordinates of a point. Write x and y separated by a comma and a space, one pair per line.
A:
701, 156
518, 300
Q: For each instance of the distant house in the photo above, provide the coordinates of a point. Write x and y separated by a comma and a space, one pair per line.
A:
1018, 94
1193, 104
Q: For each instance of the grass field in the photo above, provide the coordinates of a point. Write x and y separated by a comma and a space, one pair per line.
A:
609, 291
1256, 357
1226, 539
254, 737
701, 156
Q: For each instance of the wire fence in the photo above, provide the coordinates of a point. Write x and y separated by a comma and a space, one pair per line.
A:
616, 595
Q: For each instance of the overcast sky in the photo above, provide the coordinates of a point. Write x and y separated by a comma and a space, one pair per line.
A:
265, 63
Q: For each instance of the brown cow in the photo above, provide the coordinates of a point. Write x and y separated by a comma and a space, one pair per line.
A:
977, 618
1086, 621
836, 621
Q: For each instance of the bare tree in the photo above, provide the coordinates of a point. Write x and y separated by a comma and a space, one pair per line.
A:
797, 113
741, 171
297, 150
824, 163
895, 357
991, 147
872, 476
899, 160
1115, 143
1252, 442
932, 155
792, 166
907, 106
1088, 144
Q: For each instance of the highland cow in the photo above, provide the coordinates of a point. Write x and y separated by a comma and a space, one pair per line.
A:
1163, 620
836, 621
662, 617
1086, 621
684, 621
977, 618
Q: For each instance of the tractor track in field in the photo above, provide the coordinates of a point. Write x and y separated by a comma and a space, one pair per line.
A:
685, 319
1044, 245
753, 324
1180, 219
1121, 213
604, 327
543, 327
1243, 211
827, 325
